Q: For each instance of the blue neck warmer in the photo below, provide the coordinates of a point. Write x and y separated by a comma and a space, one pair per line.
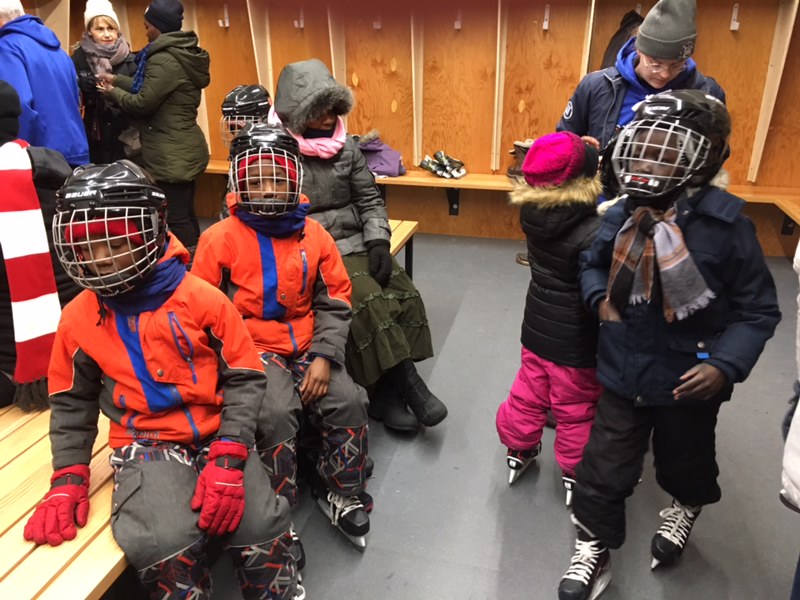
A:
152, 292
281, 227
638, 89
141, 65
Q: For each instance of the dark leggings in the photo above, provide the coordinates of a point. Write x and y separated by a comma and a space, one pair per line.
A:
180, 211
796, 586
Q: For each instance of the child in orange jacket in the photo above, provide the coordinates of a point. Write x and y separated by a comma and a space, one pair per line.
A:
288, 281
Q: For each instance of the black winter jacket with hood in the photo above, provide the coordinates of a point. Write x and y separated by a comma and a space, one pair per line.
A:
559, 223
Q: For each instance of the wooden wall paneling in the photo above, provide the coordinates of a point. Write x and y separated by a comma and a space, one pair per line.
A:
232, 59
768, 220
54, 14
608, 14
780, 163
499, 84
738, 60
458, 80
377, 53
259, 30
542, 68
289, 43
417, 78
787, 15
134, 11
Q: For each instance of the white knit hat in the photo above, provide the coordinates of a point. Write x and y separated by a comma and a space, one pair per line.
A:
97, 8
11, 5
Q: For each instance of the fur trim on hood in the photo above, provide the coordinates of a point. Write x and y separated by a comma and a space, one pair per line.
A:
581, 190
305, 90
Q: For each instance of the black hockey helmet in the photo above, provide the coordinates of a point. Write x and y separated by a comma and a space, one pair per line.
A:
110, 226
265, 172
243, 104
677, 138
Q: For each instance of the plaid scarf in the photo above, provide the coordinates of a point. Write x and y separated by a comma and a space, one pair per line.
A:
651, 240
141, 66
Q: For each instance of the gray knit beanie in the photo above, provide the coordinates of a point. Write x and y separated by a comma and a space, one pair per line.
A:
669, 31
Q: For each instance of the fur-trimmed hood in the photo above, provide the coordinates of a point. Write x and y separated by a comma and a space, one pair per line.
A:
581, 190
305, 90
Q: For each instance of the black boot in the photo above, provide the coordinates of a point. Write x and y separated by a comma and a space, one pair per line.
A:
428, 409
519, 152
386, 403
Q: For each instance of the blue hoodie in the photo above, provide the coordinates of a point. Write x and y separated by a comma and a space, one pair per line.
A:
32, 61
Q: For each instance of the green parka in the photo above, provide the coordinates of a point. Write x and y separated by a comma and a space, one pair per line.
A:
174, 148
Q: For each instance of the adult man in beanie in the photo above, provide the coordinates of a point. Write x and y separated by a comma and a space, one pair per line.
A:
32, 61
657, 59
163, 95
29, 270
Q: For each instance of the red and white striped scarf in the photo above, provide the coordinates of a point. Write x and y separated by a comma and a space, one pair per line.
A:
35, 308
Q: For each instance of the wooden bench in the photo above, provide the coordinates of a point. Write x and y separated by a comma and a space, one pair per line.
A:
402, 231
81, 568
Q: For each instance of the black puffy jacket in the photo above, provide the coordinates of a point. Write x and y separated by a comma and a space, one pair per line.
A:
559, 223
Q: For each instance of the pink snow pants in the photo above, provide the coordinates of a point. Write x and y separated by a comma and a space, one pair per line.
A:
570, 393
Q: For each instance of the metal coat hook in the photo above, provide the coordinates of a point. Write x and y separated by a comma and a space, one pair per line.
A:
300, 23
638, 8
735, 17
224, 21
458, 21
377, 23
546, 22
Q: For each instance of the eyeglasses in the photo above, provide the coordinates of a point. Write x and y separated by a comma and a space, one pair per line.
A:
657, 67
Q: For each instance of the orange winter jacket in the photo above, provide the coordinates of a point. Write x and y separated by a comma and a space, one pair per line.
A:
293, 292
157, 375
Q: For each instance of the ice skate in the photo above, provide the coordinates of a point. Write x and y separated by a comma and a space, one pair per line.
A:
299, 592
569, 484
347, 513
519, 460
590, 571
670, 539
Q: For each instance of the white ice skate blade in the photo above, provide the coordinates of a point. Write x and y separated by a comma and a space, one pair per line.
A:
359, 541
654, 564
568, 499
601, 584
300, 593
514, 474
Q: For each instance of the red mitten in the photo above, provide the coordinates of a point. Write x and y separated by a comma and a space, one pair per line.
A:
63, 507
220, 488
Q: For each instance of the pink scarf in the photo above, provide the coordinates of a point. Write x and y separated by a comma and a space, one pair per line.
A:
322, 147
35, 308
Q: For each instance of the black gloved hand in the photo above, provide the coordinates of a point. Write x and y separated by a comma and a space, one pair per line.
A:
87, 82
32, 396
380, 261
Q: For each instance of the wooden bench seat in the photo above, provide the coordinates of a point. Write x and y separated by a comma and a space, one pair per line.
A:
81, 568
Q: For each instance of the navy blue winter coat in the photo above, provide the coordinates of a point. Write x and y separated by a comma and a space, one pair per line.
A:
642, 357
595, 106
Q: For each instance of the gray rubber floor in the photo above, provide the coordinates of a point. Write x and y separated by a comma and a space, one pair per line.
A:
446, 524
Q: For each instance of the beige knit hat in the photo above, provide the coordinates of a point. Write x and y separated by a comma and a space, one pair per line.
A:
99, 8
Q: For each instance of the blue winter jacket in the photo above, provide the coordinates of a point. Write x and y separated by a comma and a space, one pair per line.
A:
32, 61
642, 357
597, 103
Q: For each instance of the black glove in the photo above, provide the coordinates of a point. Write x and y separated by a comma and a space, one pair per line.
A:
380, 261
32, 396
87, 82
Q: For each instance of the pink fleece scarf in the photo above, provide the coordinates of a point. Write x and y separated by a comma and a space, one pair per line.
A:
321, 147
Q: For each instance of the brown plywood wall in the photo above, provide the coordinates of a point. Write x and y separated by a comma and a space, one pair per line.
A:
780, 164
291, 43
542, 68
607, 17
459, 80
738, 60
379, 71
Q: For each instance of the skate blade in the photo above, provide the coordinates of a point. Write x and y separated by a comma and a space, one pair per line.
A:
568, 499
514, 474
600, 585
654, 564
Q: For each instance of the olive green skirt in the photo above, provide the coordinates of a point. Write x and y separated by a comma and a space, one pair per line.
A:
389, 324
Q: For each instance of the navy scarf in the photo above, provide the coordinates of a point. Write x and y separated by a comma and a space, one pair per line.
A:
152, 292
282, 227
141, 65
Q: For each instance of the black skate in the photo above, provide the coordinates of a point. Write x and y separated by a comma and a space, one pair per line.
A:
519, 460
345, 512
569, 484
590, 571
671, 537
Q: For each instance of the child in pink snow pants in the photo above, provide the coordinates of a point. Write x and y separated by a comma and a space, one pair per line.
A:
558, 199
